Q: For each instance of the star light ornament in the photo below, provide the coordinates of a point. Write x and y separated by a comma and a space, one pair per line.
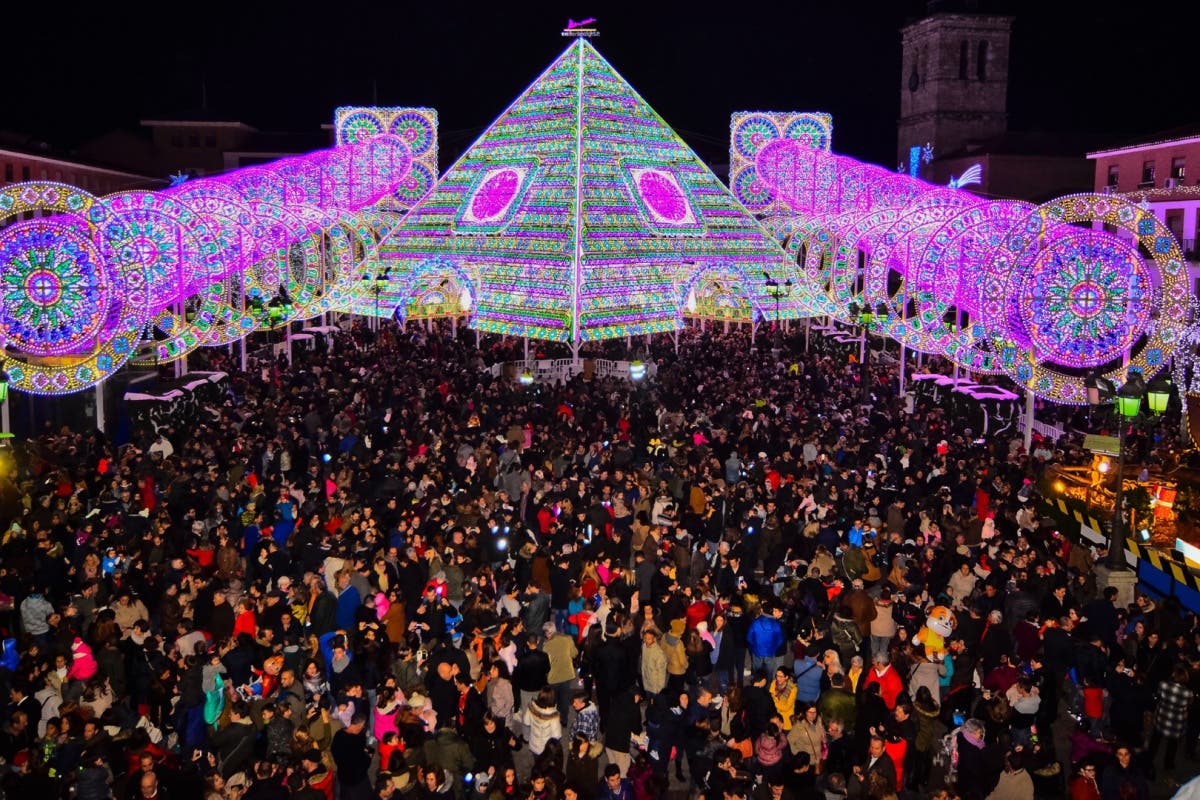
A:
972, 177
179, 179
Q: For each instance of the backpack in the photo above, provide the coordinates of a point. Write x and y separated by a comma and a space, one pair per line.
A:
846, 636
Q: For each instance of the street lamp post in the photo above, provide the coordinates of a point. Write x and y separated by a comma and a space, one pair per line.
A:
279, 311
865, 315
777, 291
4, 421
1128, 403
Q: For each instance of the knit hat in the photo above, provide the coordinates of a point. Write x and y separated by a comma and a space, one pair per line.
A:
677, 627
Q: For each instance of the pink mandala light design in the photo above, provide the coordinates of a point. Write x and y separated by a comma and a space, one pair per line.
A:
496, 194
663, 197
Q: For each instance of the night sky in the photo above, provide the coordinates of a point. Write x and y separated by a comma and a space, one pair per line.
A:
285, 66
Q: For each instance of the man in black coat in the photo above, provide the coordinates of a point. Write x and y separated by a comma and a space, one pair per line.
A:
758, 704
533, 670
1101, 617
612, 673
350, 754
877, 776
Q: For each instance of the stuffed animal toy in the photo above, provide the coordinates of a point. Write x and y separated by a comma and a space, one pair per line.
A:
938, 626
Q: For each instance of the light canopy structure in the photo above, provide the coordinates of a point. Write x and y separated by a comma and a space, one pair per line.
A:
84, 280
580, 215
1046, 294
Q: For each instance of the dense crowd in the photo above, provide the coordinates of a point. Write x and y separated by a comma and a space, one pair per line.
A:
381, 572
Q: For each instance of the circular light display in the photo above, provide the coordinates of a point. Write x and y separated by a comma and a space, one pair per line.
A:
1085, 299
415, 130
752, 133
55, 288
360, 126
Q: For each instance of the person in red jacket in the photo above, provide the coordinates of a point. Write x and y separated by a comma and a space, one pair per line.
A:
1082, 785
245, 621
890, 684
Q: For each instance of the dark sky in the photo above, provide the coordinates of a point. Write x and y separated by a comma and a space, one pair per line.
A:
287, 65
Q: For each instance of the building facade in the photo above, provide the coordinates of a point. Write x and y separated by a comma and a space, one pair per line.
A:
19, 166
1155, 172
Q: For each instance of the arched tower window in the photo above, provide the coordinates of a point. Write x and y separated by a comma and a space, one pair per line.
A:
981, 62
963, 58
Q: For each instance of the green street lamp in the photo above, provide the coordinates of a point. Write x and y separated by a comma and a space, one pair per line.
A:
866, 316
1128, 403
1158, 394
3, 385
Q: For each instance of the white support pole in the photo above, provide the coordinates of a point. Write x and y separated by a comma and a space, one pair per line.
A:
477, 338
727, 326
957, 332
753, 330
675, 337
903, 356
1028, 421
454, 327
807, 326
101, 422
243, 341
5, 422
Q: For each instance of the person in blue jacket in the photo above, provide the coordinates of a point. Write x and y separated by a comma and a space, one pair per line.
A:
348, 601
765, 639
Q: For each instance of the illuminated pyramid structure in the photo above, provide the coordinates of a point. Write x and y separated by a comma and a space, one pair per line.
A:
580, 215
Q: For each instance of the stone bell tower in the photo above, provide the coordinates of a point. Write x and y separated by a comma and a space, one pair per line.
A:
954, 78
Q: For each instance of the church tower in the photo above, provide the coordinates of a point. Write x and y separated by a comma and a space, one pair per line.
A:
954, 78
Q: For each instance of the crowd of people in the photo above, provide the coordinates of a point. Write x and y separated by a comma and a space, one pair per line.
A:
380, 572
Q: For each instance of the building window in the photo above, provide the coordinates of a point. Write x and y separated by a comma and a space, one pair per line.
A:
981, 62
1114, 175
1148, 172
1178, 165
210, 140
964, 55
176, 140
24, 173
194, 140
8, 173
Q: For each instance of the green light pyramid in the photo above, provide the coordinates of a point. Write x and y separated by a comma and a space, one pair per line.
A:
580, 215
